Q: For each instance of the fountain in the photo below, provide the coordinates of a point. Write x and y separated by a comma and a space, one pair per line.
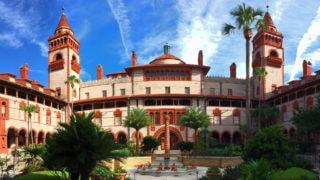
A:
172, 165
167, 166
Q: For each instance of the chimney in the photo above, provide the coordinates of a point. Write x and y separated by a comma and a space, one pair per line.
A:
24, 72
233, 70
307, 68
99, 72
134, 58
200, 58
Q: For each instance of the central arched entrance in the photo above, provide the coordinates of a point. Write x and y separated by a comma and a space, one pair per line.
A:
174, 137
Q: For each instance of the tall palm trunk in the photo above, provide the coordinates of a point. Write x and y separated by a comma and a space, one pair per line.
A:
248, 34
72, 98
196, 132
31, 134
137, 141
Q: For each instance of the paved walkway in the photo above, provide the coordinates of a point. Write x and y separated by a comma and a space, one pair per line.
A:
137, 176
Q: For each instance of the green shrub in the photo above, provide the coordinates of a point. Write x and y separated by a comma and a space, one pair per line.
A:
124, 152
119, 170
214, 170
131, 145
257, 170
184, 146
231, 173
271, 144
234, 150
302, 147
102, 172
294, 174
303, 163
30, 167
150, 143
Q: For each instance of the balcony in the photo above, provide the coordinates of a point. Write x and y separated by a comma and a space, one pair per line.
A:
274, 61
56, 65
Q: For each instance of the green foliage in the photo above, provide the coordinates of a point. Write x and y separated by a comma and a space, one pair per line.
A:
301, 146
137, 119
308, 119
303, 163
79, 146
72, 80
231, 173
150, 143
294, 174
184, 146
119, 170
271, 144
246, 18
195, 118
102, 172
30, 167
131, 145
214, 170
257, 170
234, 150
47, 175
266, 115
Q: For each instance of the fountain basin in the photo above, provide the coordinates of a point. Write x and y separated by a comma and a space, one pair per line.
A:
154, 172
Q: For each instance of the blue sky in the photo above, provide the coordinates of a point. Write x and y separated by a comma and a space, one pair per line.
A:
109, 30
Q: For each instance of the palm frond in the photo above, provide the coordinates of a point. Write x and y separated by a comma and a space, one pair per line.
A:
228, 29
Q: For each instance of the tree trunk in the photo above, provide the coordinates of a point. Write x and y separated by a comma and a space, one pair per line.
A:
72, 99
31, 134
248, 34
196, 132
74, 176
259, 125
137, 141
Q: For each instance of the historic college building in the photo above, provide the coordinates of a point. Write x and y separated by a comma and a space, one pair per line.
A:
165, 86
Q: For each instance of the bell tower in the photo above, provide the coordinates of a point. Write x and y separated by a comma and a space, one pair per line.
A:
268, 53
63, 61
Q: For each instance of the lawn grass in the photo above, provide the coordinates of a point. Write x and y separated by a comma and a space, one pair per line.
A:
293, 174
47, 175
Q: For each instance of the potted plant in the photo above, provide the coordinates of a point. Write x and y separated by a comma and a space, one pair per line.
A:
119, 173
214, 173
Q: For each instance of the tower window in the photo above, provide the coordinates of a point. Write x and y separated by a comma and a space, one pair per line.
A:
167, 90
273, 54
87, 95
104, 93
123, 92
59, 56
74, 57
187, 90
148, 90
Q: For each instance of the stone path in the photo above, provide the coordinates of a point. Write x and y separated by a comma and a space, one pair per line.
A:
136, 176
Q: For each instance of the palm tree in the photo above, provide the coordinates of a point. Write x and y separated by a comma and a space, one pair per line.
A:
137, 119
246, 18
78, 146
72, 80
29, 110
195, 118
260, 73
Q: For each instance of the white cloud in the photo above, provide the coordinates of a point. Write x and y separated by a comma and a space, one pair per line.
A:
23, 26
280, 6
84, 29
120, 14
85, 76
314, 57
308, 38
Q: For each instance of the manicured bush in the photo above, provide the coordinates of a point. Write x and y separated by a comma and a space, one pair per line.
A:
184, 146
271, 144
234, 150
150, 143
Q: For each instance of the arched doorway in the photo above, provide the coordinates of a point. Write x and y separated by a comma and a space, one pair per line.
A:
216, 136
226, 139
236, 138
22, 138
174, 137
122, 138
173, 140
40, 137
11, 138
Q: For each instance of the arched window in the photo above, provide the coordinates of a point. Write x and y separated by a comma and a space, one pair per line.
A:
3, 109
273, 53
74, 57
58, 57
152, 117
171, 118
178, 118
98, 116
117, 116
